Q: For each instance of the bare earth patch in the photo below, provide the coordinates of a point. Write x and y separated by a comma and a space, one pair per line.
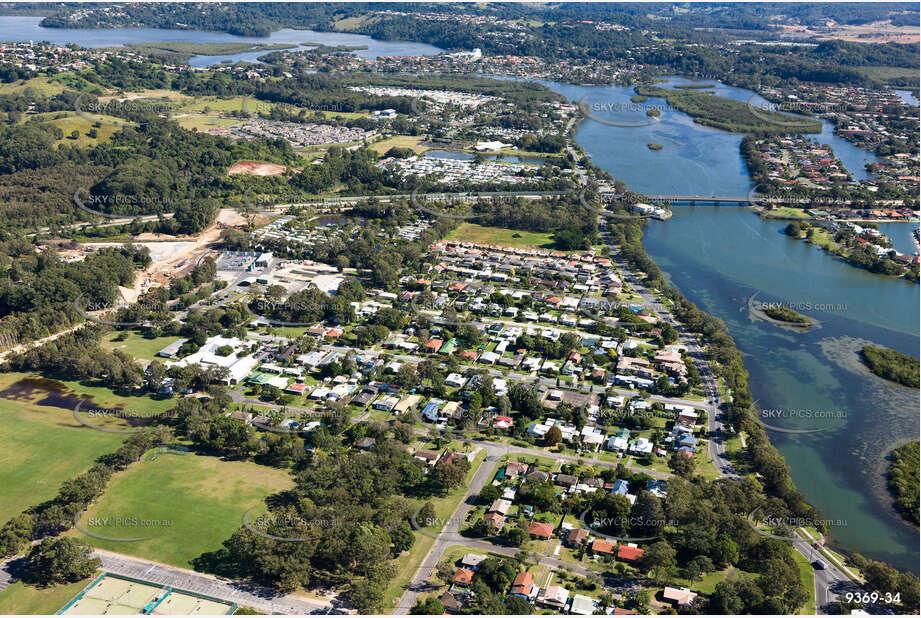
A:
256, 168
173, 257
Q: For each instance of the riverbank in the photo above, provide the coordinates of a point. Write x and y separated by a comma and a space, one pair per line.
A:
785, 213
814, 380
904, 478
850, 250
181, 51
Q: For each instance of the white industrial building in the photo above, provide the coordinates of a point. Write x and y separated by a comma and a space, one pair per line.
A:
238, 367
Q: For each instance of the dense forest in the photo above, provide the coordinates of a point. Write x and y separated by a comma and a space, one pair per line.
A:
39, 293
892, 365
904, 480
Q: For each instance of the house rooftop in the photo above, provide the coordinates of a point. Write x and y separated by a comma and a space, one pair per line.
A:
629, 553
679, 596
463, 577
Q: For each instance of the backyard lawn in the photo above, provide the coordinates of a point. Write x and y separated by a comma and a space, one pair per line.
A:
135, 344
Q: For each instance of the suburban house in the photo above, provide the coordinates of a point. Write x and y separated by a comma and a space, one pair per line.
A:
566, 480
500, 506
576, 537
495, 520
472, 561
365, 396
433, 345
429, 457
407, 403
554, 597
601, 546
583, 606
630, 553
679, 597
523, 586
455, 380
515, 468
452, 602
463, 577
538, 475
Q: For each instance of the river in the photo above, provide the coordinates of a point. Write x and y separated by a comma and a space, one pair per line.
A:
719, 257
21, 29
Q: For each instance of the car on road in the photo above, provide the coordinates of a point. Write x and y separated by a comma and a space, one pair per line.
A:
818, 565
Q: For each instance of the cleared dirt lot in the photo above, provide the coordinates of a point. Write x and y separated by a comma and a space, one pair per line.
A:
175, 257
256, 168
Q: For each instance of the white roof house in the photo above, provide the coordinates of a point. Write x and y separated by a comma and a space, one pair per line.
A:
455, 380
473, 560
583, 605
617, 401
488, 357
386, 403
642, 446
277, 381
531, 363
320, 393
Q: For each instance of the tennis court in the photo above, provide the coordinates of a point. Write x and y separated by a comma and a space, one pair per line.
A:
121, 596
177, 603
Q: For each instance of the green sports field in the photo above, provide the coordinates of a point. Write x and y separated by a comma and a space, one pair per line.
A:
186, 504
44, 445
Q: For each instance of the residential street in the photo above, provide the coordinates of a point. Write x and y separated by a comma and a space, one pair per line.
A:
504, 449
450, 534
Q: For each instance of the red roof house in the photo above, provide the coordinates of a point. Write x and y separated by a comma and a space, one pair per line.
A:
630, 554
